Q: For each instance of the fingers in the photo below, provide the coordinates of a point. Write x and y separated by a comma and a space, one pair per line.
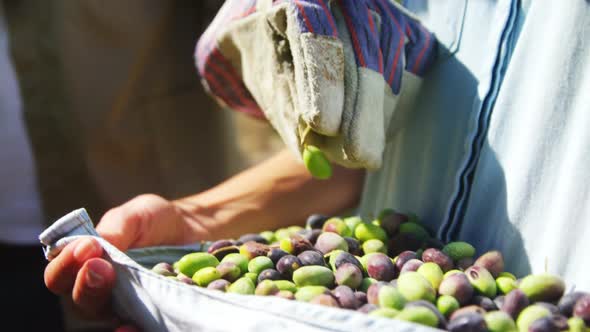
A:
93, 286
79, 270
145, 220
122, 226
119, 226
60, 273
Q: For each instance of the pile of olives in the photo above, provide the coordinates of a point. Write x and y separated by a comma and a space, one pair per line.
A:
391, 267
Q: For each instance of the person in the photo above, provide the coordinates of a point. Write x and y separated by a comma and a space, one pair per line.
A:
20, 206
493, 152
95, 108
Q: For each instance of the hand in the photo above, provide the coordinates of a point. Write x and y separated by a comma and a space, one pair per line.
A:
276, 193
80, 272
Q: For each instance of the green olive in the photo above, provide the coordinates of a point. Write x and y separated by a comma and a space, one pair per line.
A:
316, 163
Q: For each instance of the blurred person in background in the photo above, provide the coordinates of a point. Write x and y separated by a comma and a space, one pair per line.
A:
99, 101
20, 209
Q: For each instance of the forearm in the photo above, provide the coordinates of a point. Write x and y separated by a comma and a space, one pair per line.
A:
276, 193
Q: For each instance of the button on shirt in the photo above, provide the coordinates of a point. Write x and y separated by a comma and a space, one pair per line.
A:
497, 148
20, 211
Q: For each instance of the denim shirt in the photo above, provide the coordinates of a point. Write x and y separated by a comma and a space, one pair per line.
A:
496, 149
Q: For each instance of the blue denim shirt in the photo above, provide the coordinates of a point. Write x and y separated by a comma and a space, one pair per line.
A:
496, 149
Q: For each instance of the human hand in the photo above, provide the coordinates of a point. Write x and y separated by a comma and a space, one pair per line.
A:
327, 74
81, 274
275, 193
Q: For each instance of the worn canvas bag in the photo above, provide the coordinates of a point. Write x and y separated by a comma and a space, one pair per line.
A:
156, 303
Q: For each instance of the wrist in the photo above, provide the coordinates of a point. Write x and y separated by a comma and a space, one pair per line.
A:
276, 193
198, 223
213, 215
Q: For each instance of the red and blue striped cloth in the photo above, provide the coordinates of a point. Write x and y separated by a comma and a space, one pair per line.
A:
379, 48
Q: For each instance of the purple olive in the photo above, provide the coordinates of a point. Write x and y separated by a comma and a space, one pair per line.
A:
287, 265
411, 265
568, 301
219, 284
380, 267
440, 258
354, 247
470, 309
491, 261
269, 274
316, 221
346, 298
582, 309
404, 257
469, 322
343, 257
164, 269
275, 254
361, 297
458, 286
222, 252
515, 302
219, 244
311, 257
554, 323
252, 237
485, 302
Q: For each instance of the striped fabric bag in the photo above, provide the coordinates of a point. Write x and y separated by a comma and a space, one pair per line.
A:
340, 74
